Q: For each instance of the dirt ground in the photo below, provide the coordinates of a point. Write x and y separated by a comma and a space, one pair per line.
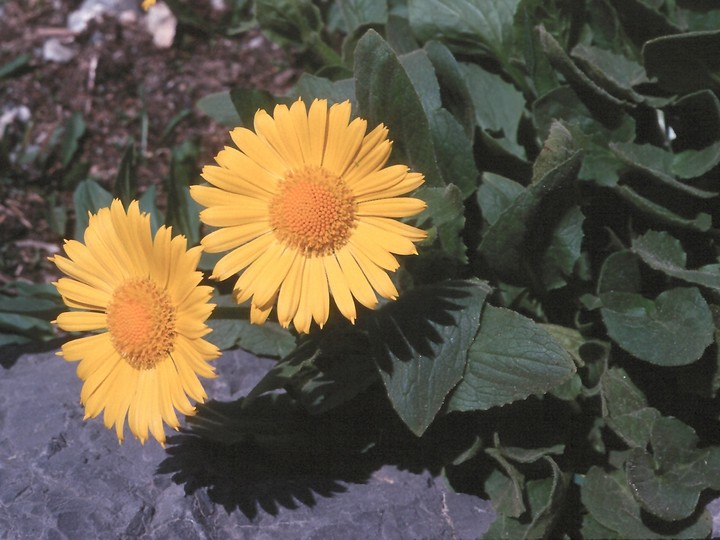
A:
116, 75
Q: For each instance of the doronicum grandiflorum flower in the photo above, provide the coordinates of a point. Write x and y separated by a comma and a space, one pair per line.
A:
307, 208
141, 295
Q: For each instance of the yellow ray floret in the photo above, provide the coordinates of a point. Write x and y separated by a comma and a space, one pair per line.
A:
141, 295
307, 211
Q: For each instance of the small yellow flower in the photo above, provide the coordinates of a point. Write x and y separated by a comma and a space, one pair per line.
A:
307, 210
142, 294
147, 4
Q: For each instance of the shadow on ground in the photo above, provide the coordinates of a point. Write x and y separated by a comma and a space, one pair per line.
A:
274, 454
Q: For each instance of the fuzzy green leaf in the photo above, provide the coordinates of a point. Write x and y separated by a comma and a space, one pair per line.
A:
511, 359
422, 342
386, 94
657, 164
465, 24
669, 481
513, 245
608, 498
89, 196
660, 251
672, 330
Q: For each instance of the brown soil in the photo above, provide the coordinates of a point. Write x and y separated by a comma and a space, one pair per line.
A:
116, 74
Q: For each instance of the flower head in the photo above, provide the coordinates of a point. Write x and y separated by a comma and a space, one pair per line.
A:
147, 4
141, 295
306, 207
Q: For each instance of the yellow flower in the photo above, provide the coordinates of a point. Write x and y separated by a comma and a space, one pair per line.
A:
147, 4
306, 207
144, 294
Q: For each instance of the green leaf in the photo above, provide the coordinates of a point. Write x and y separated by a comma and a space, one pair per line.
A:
269, 339
702, 222
476, 25
660, 251
626, 409
125, 186
592, 530
606, 108
445, 213
511, 359
324, 371
88, 197
358, 13
289, 22
343, 369
563, 253
225, 333
599, 164
506, 492
559, 146
148, 204
248, 101
615, 73
454, 151
456, 96
386, 94
657, 164
495, 195
183, 213
220, 107
669, 481
499, 118
421, 344
25, 325
545, 498
72, 133
673, 330
420, 70
514, 244
608, 498
310, 87
694, 163
684, 63
695, 119
17, 63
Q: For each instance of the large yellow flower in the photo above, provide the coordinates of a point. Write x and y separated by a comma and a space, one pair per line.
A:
147, 4
144, 293
307, 206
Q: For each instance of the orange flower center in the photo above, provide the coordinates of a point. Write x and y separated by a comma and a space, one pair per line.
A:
141, 322
313, 211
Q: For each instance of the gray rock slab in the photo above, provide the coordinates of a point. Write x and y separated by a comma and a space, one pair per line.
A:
64, 478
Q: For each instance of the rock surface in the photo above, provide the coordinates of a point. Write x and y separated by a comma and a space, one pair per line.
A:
63, 478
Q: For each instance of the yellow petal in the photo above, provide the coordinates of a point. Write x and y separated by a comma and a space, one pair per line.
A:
339, 288
234, 176
278, 131
392, 226
378, 278
242, 257
247, 211
289, 296
393, 207
258, 151
81, 321
378, 182
317, 124
367, 234
356, 280
82, 295
232, 237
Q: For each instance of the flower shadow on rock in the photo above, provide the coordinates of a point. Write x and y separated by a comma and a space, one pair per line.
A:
412, 325
270, 454
273, 454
